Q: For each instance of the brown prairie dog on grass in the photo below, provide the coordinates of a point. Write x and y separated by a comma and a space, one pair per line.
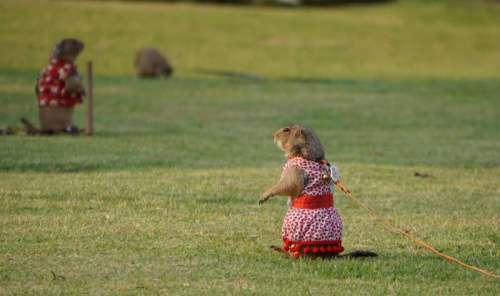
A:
149, 62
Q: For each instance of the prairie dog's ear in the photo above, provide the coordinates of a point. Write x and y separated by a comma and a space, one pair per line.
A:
57, 50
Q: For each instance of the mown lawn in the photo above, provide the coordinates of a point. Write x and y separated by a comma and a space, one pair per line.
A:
163, 199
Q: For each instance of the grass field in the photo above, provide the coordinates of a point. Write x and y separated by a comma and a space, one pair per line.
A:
163, 199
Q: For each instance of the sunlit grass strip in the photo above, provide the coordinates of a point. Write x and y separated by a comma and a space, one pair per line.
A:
185, 231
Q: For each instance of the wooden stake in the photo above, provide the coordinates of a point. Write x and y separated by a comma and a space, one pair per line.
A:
90, 126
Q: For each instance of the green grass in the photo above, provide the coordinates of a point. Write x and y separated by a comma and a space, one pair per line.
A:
229, 123
188, 231
163, 199
405, 39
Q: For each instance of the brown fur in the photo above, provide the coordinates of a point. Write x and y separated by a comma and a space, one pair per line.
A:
149, 62
297, 140
67, 50
300, 140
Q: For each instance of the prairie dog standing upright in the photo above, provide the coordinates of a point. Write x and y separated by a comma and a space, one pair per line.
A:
59, 87
312, 226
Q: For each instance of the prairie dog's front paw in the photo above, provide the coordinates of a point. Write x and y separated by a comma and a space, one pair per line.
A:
265, 197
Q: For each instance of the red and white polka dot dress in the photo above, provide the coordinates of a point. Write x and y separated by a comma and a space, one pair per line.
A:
312, 224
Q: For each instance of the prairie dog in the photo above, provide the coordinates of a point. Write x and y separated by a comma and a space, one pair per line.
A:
149, 62
59, 87
294, 140
312, 227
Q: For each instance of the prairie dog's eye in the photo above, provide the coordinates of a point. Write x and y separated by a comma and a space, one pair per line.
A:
286, 129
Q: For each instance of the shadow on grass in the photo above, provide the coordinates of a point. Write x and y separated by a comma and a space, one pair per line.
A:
306, 80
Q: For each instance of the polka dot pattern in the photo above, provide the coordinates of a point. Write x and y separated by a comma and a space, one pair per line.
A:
316, 184
304, 226
307, 225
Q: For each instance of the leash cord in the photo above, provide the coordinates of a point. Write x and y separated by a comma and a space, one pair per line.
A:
346, 191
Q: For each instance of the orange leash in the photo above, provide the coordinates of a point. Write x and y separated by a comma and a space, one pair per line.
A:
346, 191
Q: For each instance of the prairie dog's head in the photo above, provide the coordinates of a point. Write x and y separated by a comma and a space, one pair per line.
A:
296, 139
67, 50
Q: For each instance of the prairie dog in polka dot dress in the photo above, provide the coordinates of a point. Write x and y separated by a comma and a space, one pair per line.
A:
312, 226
